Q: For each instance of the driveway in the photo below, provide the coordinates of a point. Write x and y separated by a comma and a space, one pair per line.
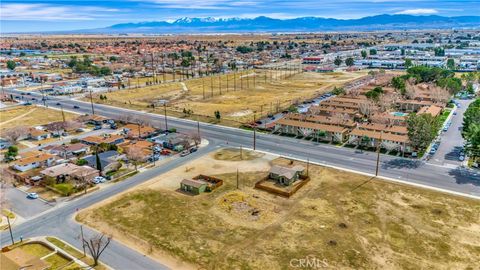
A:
451, 140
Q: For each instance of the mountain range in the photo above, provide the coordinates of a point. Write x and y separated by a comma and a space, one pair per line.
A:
303, 24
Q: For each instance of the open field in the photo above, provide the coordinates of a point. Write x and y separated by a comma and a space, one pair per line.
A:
248, 93
345, 220
30, 116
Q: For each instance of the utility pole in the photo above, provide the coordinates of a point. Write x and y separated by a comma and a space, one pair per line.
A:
254, 132
83, 241
211, 84
165, 110
198, 128
241, 152
10, 229
227, 81
203, 87
91, 102
378, 153
63, 113
220, 83
235, 81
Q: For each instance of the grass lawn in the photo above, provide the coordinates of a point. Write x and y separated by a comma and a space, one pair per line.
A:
56, 261
30, 116
349, 221
238, 102
37, 250
74, 252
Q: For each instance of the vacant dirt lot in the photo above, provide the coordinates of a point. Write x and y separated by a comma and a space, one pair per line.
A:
248, 92
347, 221
30, 116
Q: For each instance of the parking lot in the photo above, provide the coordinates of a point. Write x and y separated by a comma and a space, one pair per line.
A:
451, 145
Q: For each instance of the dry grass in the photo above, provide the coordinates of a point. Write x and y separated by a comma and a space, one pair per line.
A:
237, 102
30, 116
348, 220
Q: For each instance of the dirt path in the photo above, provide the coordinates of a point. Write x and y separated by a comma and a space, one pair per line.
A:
17, 117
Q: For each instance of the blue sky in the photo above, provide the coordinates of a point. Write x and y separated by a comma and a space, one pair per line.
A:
51, 15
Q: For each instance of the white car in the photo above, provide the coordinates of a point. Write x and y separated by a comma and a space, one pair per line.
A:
32, 195
99, 179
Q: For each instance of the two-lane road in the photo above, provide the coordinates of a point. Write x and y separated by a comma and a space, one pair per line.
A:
454, 179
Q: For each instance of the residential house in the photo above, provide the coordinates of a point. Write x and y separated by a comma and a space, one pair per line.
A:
106, 138
144, 146
139, 131
109, 161
35, 161
4, 144
286, 175
66, 151
37, 134
67, 171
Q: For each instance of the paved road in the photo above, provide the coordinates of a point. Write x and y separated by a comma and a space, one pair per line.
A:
452, 140
22, 206
455, 179
58, 221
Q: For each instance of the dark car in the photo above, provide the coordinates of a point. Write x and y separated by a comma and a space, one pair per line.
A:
76, 107
34, 98
58, 104
97, 127
193, 150
28, 94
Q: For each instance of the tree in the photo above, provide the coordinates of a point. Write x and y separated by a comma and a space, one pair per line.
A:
11, 152
450, 63
375, 93
349, 61
364, 54
11, 64
408, 63
399, 84
81, 162
217, 115
338, 61
338, 91
373, 51
135, 155
98, 162
13, 134
96, 246
422, 129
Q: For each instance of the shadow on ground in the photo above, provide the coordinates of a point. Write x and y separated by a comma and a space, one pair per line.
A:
401, 163
465, 176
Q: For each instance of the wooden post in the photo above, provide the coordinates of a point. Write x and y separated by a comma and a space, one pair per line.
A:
91, 102
241, 153
237, 178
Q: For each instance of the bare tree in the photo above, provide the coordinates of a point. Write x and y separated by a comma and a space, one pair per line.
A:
14, 134
367, 107
96, 246
135, 155
439, 94
385, 102
73, 125
196, 138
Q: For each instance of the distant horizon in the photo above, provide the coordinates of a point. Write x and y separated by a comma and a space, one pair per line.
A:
64, 15
188, 20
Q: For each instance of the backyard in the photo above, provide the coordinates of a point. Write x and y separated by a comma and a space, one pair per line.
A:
30, 116
373, 224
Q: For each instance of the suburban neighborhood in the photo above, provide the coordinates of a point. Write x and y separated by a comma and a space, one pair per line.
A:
239, 141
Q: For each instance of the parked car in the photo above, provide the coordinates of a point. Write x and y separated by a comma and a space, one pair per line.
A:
97, 127
32, 195
28, 94
165, 152
113, 126
193, 150
184, 153
99, 179
433, 151
461, 158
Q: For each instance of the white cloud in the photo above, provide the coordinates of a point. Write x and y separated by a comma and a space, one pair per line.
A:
418, 11
44, 12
